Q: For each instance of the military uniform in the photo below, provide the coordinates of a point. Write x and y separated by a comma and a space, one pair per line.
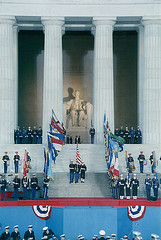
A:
34, 133
71, 168
131, 163
135, 187
121, 132
23, 135
16, 184
138, 136
39, 134
6, 235
5, 161
117, 132
16, 161
48, 233
128, 187
132, 135
126, 133
15, 235
25, 185
3, 184
92, 133
152, 161
46, 186
77, 170
148, 183
155, 185
34, 185
121, 185
29, 135
114, 184
83, 169
141, 159
18, 135
29, 234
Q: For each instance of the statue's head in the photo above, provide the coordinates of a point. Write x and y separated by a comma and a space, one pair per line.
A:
77, 94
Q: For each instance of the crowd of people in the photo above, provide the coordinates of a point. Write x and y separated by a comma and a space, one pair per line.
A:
29, 136
130, 136
77, 171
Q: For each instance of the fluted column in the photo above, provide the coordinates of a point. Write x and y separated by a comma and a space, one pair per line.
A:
7, 86
151, 119
103, 92
53, 71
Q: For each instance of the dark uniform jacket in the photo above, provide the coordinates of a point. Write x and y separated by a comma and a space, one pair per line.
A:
3, 184
34, 182
49, 234
15, 236
16, 158
46, 182
29, 235
25, 183
16, 183
5, 158
5, 236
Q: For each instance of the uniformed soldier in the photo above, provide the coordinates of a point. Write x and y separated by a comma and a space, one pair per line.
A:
127, 136
29, 234
152, 161
34, 134
138, 136
134, 186
6, 235
102, 234
128, 187
48, 233
77, 170
34, 186
117, 132
71, 168
28, 161
141, 159
39, 135
148, 183
46, 186
132, 135
16, 159
83, 169
3, 184
121, 186
16, 185
113, 236
6, 162
108, 238
136, 235
154, 236
131, 163
18, 135
29, 135
155, 185
114, 184
23, 135
62, 237
25, 186
122, 132
15, 235
92, 133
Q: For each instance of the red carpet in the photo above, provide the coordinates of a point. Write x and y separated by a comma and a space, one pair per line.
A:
63, 202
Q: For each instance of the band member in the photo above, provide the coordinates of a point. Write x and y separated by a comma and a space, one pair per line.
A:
34, 186
29, 234
48, 233
148, 183
16, 184
141, 159
128, 187
16, 161
6, 162
6, 235
15, 235
135, 186
121, 185
155, 185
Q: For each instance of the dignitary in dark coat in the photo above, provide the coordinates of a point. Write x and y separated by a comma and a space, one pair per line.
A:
6, 162
34, 186
46, 186
128, 187
48, 233
148, 184
71, 169
6, 235
16, 185
3, 184
141, 159
15, 235
102, 234
25, 186
83, 169
16, 159
134, 186
29, 234
155, 185
121, 186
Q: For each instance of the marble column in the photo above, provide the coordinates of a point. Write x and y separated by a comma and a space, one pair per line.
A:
151, 94
7, 86
53, 71
103, 92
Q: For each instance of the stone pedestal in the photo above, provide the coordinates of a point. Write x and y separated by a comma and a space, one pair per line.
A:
7, 86
103, 92
151, 90
53, 76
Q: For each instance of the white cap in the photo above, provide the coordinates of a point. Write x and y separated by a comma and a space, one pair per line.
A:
102, 232
136, 233
7, 227
63, 235
29, 226
16, 226
45, 228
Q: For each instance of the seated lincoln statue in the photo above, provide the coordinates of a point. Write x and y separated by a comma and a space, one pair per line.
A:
76, 111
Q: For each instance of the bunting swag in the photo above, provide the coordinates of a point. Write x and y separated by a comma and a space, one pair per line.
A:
136, 213
43, 212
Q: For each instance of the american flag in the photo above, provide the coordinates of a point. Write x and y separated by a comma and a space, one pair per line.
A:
78, 158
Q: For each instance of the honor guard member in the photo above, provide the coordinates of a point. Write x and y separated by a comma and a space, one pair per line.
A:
46, 186
71, 168
77, 170
102, 234
6, 235
155, 185
121, 186
113, 235
62, 237
29, 234
154, 236
83, 169
92, 133
34, 133
15, 235
48, 233
23, 135
29, 135
16, 159
3, 184
128, 187
79, 236
34, 186
152, 161
127, 136
25, 186
121, 132
132, 135
138, 136
16, 185
134, 186
131, 163
148, 183
6, 162
18, 135
28, 162
39, 135
117, 132
141, 159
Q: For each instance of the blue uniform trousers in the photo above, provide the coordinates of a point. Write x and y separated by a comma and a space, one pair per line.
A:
24, 193
33, 193
71, 176
76, 177
148, 189
5, 167
16, 193
92, 139
2, 194
16, 167
141, 166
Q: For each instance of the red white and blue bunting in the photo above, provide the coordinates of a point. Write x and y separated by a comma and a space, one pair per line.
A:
135, 213
42, 212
